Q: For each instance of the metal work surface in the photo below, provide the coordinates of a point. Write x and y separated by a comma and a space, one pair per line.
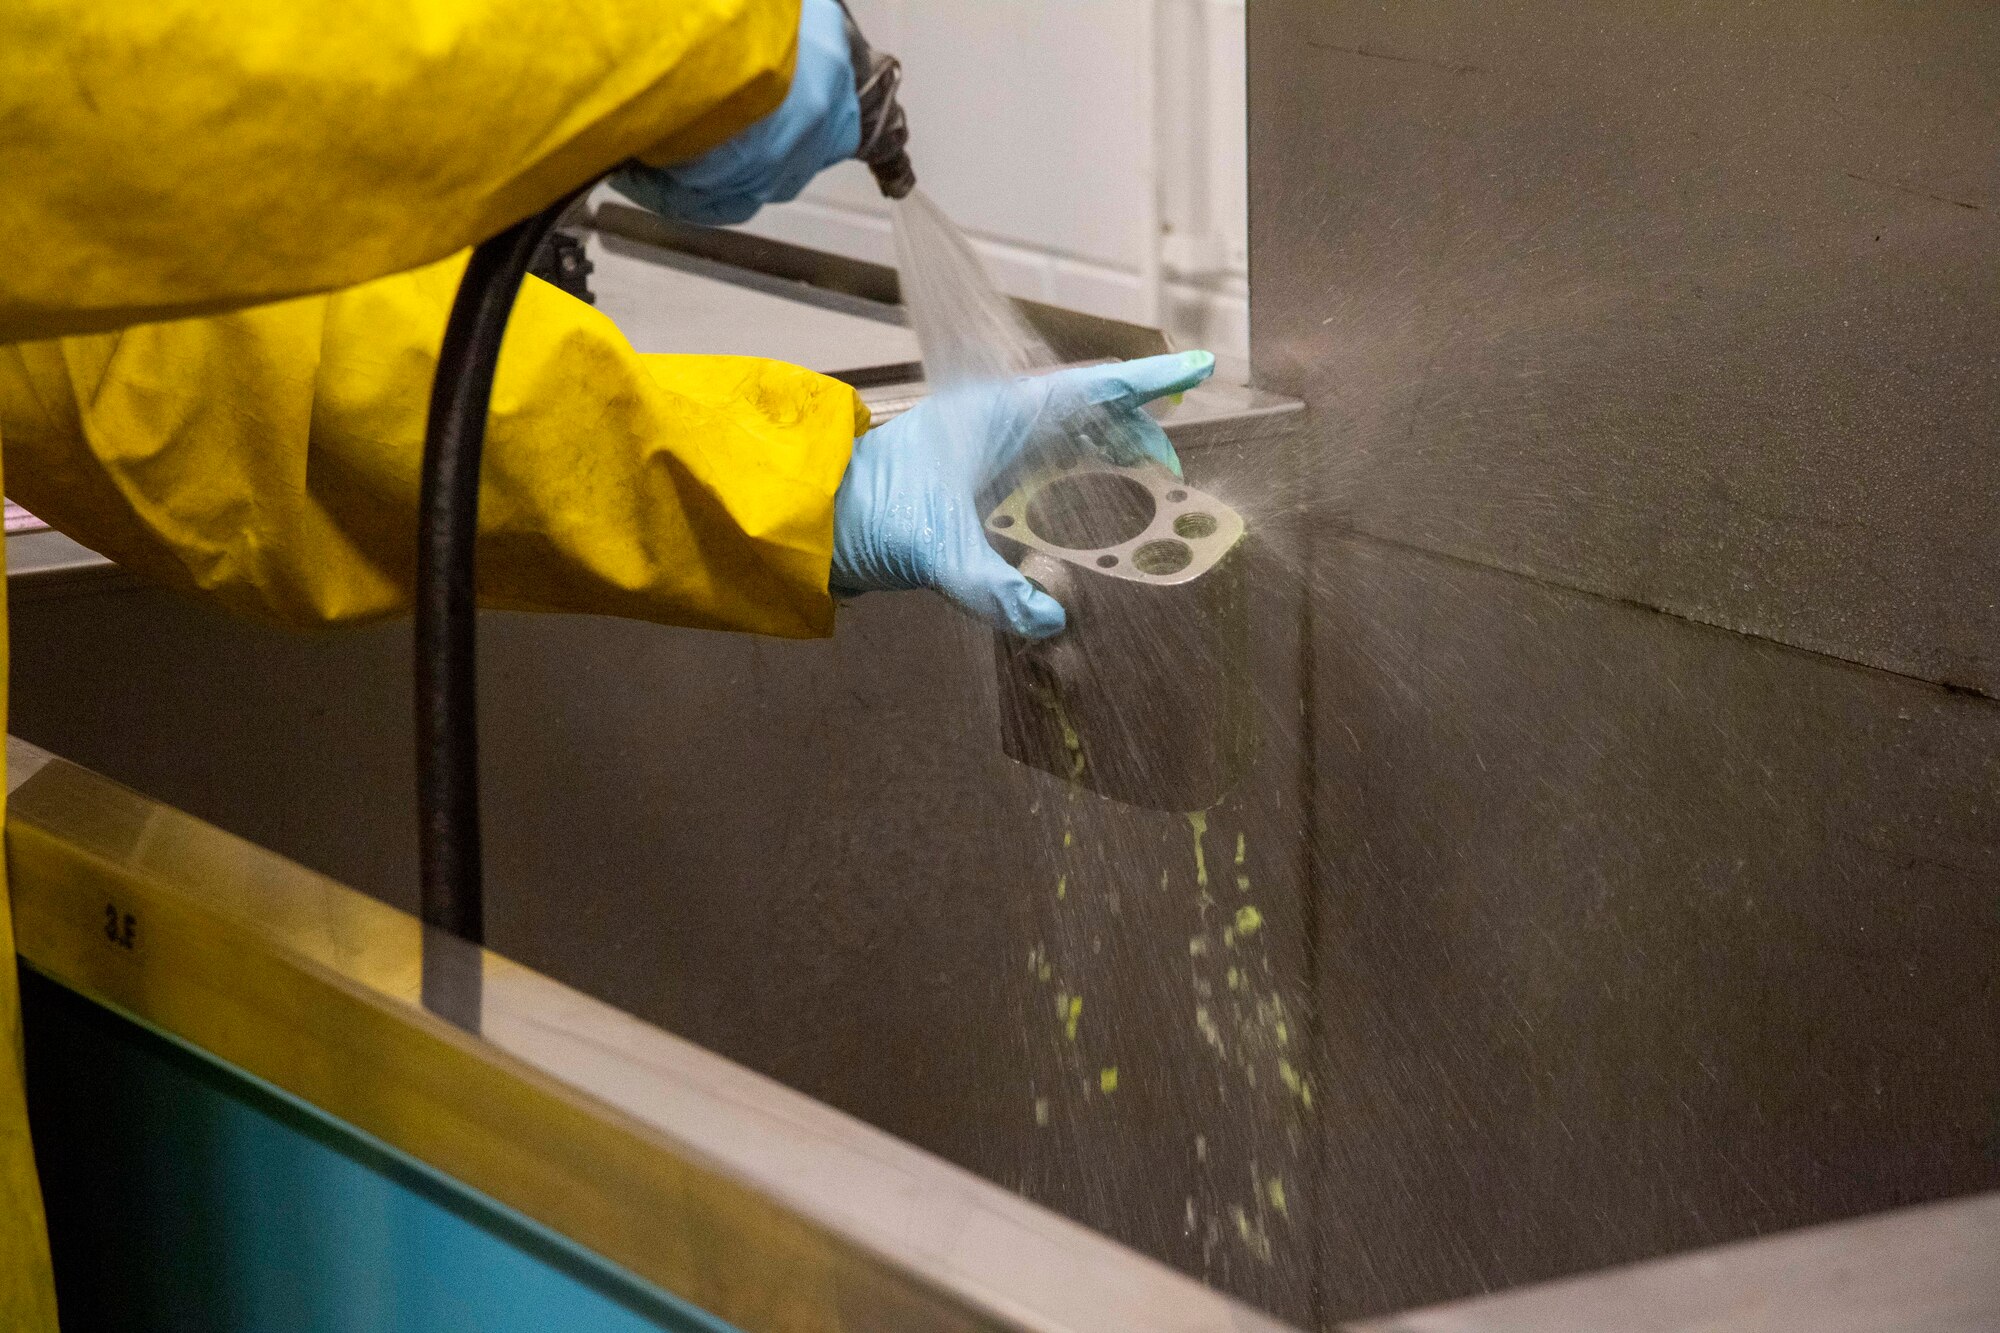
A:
1637, 934
753, 1202
1920, 1270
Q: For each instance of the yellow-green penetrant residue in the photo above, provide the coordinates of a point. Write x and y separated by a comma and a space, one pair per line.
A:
1198, 821
1062, 883
1239, 849
1248, 920
1198, 946
1107, 1080
1071, 742
1041, 1110
1243, 884
1274, 1190
1206, 1024
1296, 1082
1074, 1012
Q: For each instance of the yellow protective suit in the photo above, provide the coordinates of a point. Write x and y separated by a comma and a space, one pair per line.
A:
163, 159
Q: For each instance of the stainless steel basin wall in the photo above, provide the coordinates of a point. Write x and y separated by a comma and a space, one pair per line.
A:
1651, 357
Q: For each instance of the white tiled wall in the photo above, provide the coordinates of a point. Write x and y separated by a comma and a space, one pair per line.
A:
1093, 148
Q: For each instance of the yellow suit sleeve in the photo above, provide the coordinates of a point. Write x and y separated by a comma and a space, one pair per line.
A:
163, 158
270, 458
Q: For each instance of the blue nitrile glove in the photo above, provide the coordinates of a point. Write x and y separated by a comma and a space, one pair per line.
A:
907, 513
817, 125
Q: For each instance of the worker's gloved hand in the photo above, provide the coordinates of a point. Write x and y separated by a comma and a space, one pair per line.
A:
817, 125
907, 514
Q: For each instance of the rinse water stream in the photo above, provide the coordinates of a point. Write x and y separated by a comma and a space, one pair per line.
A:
1162, 977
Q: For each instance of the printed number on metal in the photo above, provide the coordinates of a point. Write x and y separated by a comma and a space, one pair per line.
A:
121, 928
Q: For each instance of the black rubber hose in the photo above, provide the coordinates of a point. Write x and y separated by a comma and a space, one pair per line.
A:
447, 582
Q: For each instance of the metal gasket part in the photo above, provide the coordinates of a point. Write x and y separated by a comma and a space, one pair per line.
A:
1139, 524
1144, 697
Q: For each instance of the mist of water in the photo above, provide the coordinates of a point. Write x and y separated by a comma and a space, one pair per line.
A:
1162, 952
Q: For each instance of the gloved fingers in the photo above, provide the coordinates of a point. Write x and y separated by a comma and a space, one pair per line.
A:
1135, 383
987, 586
723, 210
1134, 438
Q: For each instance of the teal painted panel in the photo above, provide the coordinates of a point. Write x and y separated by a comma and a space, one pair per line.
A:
185, 1195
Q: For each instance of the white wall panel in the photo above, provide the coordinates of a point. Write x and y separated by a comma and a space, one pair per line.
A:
1092, 148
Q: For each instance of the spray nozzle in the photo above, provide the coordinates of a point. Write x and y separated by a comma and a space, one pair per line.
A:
885, 130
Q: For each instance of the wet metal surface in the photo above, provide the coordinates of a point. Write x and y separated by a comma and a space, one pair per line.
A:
1695, 306
1636, 934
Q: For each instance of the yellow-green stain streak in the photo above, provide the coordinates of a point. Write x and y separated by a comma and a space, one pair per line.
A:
1062, 882
1243, 884
1289, 1076
1071, 742
1239, 849
1274, 1190
1248, 920
1107, 1080
1198, 821
1069, 1019
1205, 1022
1041, 1110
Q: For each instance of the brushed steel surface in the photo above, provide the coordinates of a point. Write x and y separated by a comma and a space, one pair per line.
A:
1919, 1270
1636, 934
1695, 305
757, 1204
